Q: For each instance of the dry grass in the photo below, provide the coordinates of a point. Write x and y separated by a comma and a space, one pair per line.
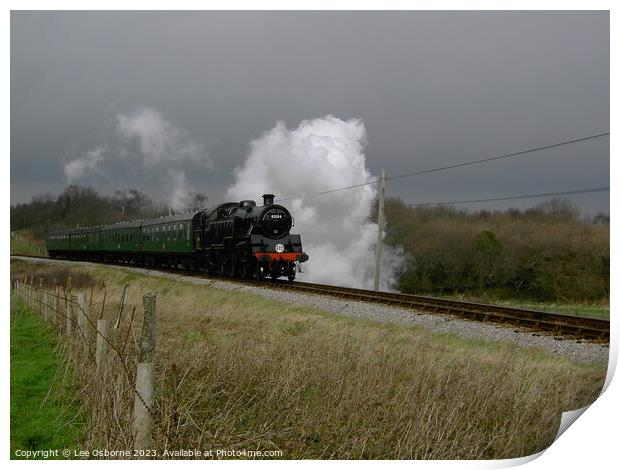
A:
239, 372
24, 243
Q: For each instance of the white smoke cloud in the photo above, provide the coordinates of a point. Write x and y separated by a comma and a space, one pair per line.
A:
160, 142
87, 165
321, 154
177, 188
155, 148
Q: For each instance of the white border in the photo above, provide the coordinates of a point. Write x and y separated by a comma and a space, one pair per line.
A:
589, 443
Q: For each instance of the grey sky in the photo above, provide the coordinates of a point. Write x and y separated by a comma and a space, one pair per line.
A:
432, 88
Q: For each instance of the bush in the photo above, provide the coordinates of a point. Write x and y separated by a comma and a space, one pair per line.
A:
545, 253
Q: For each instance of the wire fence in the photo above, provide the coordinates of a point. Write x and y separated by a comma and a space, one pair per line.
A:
34, 246
111, 358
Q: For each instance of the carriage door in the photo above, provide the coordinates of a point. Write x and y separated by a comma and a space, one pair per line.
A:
199, 242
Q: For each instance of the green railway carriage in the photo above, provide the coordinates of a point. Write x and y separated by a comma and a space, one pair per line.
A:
79, 240
120, 237
84, 239
172, 234
166, 239
58, 241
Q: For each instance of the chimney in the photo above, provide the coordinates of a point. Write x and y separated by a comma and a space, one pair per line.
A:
268, 199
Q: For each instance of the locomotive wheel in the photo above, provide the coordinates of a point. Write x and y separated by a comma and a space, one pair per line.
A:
245, 272
230, 268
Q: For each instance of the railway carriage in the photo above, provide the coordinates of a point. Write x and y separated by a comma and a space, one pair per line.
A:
168, 240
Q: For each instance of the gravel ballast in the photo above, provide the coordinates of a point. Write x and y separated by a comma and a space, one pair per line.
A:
581, 351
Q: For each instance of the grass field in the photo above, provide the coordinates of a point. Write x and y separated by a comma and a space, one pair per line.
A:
253, 373
598, 309
42, 417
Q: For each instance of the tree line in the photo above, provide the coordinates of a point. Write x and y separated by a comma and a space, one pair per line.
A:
80, 206
548, 252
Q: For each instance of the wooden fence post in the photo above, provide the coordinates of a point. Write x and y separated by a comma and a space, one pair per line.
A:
81, 305
32, 305
121, 305
68, 307
56, 311
48, 298
142, 420
149, 323
84, 321
46, 305
102, 345
41, 298
143, 401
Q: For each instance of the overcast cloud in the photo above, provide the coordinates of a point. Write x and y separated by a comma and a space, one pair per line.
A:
158, 100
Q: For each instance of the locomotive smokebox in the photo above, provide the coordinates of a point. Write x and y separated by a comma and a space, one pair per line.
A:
268, 199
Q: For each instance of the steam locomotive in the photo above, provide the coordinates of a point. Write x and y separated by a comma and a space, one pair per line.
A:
235, 238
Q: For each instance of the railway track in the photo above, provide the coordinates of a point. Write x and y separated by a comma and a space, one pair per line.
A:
557, 324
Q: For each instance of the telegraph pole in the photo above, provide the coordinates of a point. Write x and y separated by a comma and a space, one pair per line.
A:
379, 231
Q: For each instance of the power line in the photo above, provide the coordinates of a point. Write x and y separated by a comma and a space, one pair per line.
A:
500, 157
508, 198
458, 165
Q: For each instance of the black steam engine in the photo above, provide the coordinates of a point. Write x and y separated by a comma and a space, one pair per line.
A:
249, 240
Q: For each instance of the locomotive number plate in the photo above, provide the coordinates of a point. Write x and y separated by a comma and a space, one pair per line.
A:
279, 247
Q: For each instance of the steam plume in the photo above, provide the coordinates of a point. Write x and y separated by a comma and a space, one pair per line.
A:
84, 166
321, 154
145, 143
